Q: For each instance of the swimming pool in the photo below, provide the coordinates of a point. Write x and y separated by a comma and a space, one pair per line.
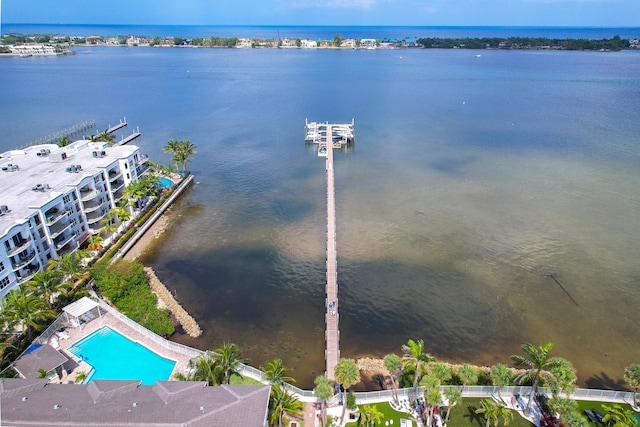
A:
115, 357
165, 182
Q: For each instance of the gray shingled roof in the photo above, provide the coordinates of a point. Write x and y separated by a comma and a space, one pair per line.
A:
45, 357
128, 403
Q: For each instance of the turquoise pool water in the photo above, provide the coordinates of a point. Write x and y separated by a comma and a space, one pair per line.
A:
115, 357
165, 182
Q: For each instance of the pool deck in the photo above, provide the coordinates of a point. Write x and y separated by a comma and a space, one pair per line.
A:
75, 334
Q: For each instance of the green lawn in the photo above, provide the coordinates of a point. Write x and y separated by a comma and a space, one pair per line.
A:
590, 404
462, 415
244, 380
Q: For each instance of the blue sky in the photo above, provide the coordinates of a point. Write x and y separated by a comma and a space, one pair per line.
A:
598, 13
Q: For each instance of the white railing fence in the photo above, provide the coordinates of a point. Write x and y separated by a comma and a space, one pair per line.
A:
189, 351
624, 397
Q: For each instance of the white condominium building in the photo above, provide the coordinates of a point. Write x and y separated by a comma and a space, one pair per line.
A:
52, 199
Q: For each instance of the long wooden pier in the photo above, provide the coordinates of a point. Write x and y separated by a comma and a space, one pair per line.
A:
332, 353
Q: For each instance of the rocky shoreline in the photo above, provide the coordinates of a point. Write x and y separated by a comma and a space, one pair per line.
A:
188, 323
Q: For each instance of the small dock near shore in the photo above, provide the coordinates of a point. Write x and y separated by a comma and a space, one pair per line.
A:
120, 125
329, 137
324, 134
130, 138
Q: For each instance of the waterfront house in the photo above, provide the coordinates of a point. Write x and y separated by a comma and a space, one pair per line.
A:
33, 49
307, 43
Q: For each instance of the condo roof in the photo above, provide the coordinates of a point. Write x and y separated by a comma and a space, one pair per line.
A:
31, 177
120, 403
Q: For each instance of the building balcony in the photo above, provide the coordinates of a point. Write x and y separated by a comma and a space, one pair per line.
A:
27, 273
22, 261
61, 242
86, 195
141, 168
24, 244
117, 186
58, 229
54, 216
67, 248
95, 217
113, 175
92, 206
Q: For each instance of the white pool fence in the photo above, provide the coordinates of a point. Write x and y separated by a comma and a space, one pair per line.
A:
613, 396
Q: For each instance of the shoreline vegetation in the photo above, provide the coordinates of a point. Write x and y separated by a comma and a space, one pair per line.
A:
15, 43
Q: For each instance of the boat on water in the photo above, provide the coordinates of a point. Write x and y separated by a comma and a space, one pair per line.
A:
322, 150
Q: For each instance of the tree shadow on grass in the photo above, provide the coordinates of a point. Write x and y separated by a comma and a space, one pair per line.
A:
474, 419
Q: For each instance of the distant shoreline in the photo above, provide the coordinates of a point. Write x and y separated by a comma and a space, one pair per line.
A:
15, 41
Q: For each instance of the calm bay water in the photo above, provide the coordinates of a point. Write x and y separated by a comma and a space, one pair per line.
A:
471, 182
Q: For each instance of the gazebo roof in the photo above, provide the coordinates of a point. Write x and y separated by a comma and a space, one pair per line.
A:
44, 357
80, 307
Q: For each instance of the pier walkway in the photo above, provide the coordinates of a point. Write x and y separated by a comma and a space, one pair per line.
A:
332, 353
330, 137
116, 127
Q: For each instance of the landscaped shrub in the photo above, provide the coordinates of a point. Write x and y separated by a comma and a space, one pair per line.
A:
124, 283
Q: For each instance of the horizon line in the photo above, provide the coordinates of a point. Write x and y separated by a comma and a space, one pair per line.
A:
323, 25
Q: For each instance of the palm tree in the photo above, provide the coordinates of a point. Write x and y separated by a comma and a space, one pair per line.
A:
275, 372
201, 368
494, 411
323, 391
69, 265
64, 141
568, 410
440, 370
104, 137
122, 212
172, 147
392, 364
26, 310
282, 402
565, 377
432, 396
539, 366
109, 224
80, 377
187, 149
46, 283
227, 360
4, 346
135, 191
346, 374
488, 409
453, 396
617, 416
95, 242
632, 377
181, 150
468, 375
501, 376
414, 356
370, 416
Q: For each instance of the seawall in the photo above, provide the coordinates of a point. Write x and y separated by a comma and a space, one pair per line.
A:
189, 324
